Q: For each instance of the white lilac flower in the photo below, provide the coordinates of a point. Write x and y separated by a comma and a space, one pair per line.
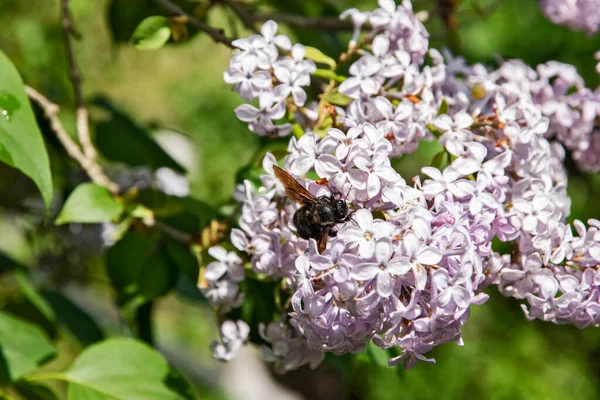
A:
233, 336
247, 81
364, 231
260, 120
364, 80
576, 14
227, 263
172, 183
292, 82
382, 269
455, 132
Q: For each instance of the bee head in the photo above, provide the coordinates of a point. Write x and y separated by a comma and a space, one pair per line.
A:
340, 209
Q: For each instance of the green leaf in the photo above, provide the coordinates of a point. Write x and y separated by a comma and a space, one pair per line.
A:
31, 293
35, 391
328, 74
119, 369
184, 213
152, 33
89, 203
121, 139
74, 319
317, 56
23, 347
438, 159
7, 264
125, 260
337, 98
21, 143
125, 15
434, 130
258, 306
444, 107
140, 270
377, 355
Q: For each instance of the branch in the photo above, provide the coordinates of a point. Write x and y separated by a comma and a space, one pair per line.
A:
92, 169
216, 34
174, 233
249, 19
331, 24
83, 126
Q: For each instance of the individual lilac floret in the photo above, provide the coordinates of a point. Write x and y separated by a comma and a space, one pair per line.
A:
455, 132
383, 268
233, 336
260, 120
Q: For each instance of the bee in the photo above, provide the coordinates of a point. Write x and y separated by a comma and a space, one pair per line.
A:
317, 215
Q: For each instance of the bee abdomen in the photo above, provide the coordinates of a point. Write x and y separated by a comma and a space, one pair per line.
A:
304, 223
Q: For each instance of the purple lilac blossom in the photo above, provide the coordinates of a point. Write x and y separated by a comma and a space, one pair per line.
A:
406, 269
257, 71
581, 15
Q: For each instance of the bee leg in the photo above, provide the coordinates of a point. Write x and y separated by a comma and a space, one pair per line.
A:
335, 193
332, 233
349, 216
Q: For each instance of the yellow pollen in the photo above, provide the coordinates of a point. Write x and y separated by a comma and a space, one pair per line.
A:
368, 236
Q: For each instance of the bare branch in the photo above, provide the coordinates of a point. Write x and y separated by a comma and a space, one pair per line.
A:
174, 233
93, 170
324, 23
83, 126
249, 18
216, 34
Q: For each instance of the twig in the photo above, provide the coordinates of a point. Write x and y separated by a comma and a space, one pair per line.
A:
173, 232
249, 18
331, 24
93, 170
83, 126
216, 34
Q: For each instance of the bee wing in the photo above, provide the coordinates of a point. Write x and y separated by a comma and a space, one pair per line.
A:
322, 240
293, 190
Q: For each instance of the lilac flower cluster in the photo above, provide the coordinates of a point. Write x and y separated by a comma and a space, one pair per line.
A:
388, 86
573, 110
552, 270
220, 281
406, 269
233, 336
561, 285
258, 71
576, 14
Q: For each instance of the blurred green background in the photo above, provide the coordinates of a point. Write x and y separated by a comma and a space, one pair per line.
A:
180, 88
